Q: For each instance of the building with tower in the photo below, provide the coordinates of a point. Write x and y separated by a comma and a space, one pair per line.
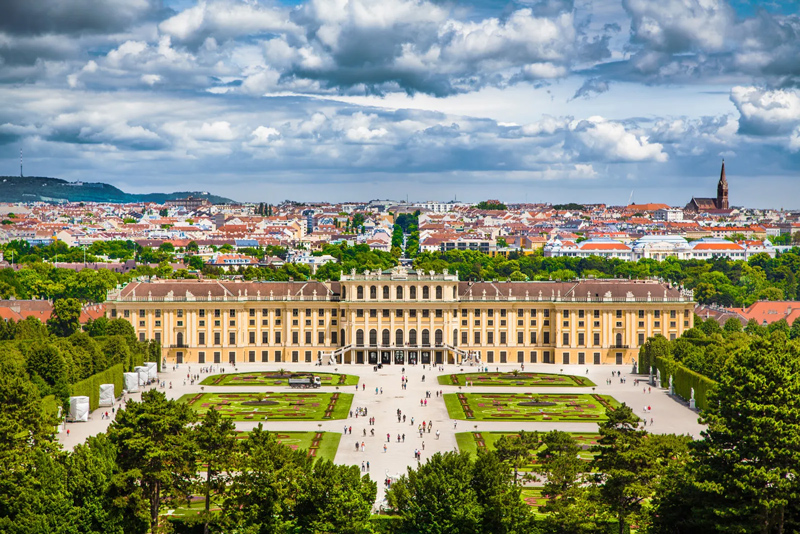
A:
701, 205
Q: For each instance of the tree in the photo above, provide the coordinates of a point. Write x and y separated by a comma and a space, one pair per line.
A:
517, 451
629, 463
732, 325
196, 263
156, 456
438, 497
569, 509
192, 246
749, 461
216, 443
66, 317
503, 511
655, 347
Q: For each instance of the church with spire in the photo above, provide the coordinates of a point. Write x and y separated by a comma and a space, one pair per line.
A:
704, 205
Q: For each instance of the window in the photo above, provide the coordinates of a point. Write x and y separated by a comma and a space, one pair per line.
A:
412, 337
439, 293
217, 338
596, 357
232, 338
385, 314
360, 292
597, 314
141, 336
641, 324
502, 313
533, 313
398, 314
565, 324
546, 340
463, 338
141, 323
546, 356
295, 312
385, 337
232, 323
202, 313
360, 338
373, 292
565, 313
490, 322
533, 338
202, 323
399, 293
412, 313
334, 338
641, 314
385, 292
619, 358
252, 338
217, 313
295, 356
565, 358
491, 313
233, 313
277, 340
520, 356
308, 338
359, 313
295, 338
277, 314
520, 323
489, 337
641, 339
438, 313
158, 313
672, 314
426, 293
534, 356
373, 338
618, 340
533, 322
426, 313
201, 338
373, 313
502, 338
581, 358
264, 312
308, 356
278, 356
265, 338
398, 337
264, 356
580, 314
619, 314
546, 314
217, 357
565, 338
657, 314
426, 338
252, 312
412, 292
581, 339
438, 337
251, 356
520, 338
477, 338
201, 357
672, 324
158, 337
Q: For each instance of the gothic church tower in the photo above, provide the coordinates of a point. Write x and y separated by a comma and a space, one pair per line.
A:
722, 190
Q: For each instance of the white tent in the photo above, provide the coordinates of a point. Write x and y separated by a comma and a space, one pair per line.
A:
131, 382
78, 409
152, 370
106, 395
143, 375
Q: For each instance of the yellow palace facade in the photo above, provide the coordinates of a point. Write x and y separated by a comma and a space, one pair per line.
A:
402, 317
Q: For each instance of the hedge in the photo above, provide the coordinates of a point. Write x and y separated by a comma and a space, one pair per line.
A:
90, 387
684, 380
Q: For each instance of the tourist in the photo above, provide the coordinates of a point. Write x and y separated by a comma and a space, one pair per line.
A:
367, 466
363, 446
437, 434
384, 448
423, 445
388, 438
363, 466
404, 438
351, 430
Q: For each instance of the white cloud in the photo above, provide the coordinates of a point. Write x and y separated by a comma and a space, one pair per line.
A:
215, 131
766, 112
611, 141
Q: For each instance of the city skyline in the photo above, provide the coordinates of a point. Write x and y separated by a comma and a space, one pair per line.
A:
568, 101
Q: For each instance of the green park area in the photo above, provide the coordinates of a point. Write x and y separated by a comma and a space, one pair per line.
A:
515, 378
529, 406
275, 378
533, 497
318, 444
300, 406
472, 441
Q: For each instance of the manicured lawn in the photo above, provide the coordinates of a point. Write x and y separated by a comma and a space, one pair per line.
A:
529, 406
472, 441
293, 406
515, 380
533, 497
275, 378
318, 444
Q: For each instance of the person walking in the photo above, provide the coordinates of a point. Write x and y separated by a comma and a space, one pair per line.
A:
384, 448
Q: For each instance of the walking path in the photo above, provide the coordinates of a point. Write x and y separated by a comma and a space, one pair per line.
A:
669, 415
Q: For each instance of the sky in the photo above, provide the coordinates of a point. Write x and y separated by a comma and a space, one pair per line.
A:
336, 100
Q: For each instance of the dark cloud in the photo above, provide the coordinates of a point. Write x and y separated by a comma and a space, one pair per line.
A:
37, 17
591, 87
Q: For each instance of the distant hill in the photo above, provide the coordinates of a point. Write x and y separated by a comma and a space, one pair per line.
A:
40, 189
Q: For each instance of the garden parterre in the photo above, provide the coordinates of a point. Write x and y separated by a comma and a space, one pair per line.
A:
275, 378
293, 406
515, 379
529, 406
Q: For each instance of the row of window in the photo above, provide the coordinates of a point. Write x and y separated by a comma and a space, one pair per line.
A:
399, 292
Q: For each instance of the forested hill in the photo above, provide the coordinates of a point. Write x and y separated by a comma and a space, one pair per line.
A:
40, 189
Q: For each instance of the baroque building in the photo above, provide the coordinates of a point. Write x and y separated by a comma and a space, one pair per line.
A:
402, 317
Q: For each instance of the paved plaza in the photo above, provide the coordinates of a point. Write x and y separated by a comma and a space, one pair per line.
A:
668, 414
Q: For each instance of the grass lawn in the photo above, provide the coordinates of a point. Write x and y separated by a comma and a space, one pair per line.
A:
529, 406
533, 497
275, 378
318, 444
472, 441
515, 380
299, 406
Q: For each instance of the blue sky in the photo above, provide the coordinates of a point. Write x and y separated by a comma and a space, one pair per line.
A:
567, 100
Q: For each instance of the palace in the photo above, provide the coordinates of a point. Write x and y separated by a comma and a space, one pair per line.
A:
402, 317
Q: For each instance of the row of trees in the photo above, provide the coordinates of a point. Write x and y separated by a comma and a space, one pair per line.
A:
157, 454
742, 477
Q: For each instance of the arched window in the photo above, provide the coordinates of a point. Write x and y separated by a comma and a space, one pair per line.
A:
373, 338
341, 340
455, 336
412, 337
426, 294
438, 292
426, 338
344, 293
399, 292
412, 293
438, 337
179, 339
398, 337
619, 340
385, 292
455, 293
373, 292
360, 292
359, 338
386, 338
